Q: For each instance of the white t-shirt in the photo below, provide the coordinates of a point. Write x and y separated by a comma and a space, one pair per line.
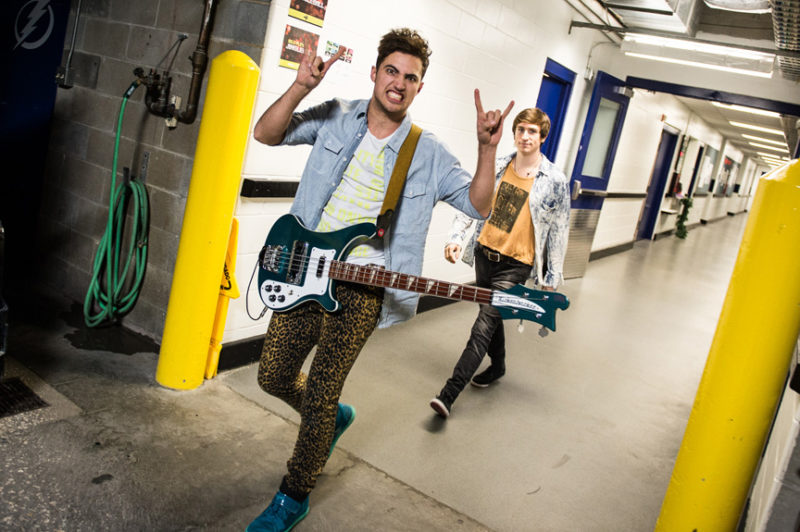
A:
359, 198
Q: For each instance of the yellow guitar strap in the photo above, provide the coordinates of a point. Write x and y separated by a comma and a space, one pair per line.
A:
398, 179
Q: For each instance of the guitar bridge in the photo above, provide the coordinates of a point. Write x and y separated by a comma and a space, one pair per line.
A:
271, 258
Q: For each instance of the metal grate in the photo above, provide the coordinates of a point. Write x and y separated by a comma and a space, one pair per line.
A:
16, 398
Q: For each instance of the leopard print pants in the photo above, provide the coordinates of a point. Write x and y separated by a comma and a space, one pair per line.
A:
339, 337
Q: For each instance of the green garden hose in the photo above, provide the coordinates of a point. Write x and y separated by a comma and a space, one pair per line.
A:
115, 287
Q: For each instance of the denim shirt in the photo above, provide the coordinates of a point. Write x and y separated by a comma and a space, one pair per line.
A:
335, 129
549, 202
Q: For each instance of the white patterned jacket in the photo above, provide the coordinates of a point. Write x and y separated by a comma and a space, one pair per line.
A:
549, 202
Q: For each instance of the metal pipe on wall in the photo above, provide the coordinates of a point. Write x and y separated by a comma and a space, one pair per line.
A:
199, 63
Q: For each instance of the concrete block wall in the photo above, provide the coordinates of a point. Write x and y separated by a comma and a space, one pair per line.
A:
113, 38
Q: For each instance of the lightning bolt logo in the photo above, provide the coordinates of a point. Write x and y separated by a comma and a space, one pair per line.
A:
37, 10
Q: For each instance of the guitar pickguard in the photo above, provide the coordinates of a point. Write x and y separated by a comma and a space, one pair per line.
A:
294, 275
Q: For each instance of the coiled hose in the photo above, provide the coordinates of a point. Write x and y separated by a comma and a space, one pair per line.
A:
107, 302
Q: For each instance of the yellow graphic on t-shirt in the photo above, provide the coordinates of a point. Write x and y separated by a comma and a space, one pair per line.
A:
359, 196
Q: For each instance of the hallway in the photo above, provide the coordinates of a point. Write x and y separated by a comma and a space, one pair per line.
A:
581, 433
587, 421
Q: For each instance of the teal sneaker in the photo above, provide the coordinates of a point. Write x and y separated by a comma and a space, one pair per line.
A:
345, 415
280, 516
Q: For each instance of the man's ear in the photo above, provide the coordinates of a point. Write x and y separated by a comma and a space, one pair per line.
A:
372, 74
419, 89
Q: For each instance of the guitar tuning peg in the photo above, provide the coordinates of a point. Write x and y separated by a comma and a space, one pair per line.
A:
521, 326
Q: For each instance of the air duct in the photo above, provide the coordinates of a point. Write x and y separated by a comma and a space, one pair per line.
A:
786, 29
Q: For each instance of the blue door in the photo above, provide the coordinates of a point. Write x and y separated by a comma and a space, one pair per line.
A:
658, 180
553, 99
601, 131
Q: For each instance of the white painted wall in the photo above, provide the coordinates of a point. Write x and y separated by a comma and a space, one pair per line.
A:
499, 47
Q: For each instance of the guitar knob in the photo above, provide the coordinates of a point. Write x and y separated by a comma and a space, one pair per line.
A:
272, 298
268, 288
277, 288
281, 299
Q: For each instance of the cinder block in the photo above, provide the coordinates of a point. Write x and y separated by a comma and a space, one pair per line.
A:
162, 249
69, 136
147, 46
185, 16
142, 12
166, 210
169, 171
83, 69
105, 37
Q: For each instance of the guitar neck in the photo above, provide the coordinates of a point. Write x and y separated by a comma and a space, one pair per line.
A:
372, 276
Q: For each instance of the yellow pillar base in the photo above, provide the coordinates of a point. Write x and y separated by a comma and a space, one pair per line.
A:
213, 192
746, 368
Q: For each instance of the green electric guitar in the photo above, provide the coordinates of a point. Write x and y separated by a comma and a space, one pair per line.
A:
297, 265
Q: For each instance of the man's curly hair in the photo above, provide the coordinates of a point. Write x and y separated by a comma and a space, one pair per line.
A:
407, 41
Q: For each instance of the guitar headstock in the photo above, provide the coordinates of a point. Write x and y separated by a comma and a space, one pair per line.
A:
523, 303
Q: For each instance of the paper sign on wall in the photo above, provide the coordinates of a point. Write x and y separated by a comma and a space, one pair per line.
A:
295, 41
312, 11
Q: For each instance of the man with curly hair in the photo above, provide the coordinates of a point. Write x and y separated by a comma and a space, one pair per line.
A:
355, 144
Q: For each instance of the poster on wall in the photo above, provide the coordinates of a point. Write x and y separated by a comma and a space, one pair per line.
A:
312, 11
295, 41
332, 47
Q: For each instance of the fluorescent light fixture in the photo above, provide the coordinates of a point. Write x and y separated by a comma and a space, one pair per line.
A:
697, 54
693, 46
761, 139
768, 147
677, 61
756, 128
746, 109
772, 156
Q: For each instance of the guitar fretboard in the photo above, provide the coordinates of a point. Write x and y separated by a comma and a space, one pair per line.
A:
372, 276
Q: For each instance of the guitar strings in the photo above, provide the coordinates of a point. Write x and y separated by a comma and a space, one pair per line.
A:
368, 275
364, 274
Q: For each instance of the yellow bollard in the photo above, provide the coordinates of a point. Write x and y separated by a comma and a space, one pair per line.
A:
746, 368
216, 177
228, 289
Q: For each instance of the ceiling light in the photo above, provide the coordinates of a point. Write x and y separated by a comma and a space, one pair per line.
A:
693, 46
760, 139
772, 156
746, 109
756, 128
723, 68
768, 147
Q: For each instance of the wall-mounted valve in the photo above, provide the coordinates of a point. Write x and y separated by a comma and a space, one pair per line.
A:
158, 99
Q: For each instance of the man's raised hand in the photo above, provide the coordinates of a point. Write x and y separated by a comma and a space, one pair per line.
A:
490, 124
312, 68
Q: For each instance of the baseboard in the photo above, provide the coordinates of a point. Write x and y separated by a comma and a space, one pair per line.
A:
600, 253
237, 354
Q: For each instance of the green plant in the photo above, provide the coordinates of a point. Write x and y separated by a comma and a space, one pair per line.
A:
680, 224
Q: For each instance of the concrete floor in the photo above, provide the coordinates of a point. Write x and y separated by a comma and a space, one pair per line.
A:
580, 435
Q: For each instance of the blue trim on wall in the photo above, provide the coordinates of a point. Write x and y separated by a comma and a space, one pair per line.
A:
713, 95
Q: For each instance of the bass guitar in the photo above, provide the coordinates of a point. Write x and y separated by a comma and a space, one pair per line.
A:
297, 265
